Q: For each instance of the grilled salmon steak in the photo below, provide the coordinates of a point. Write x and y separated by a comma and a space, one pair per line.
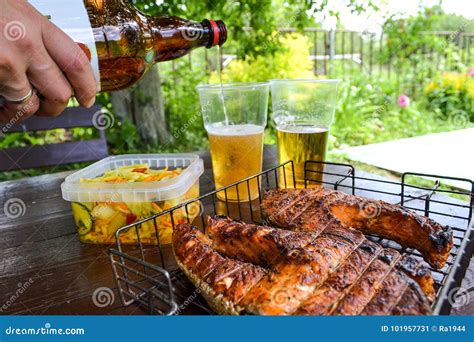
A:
315, 209
243, 268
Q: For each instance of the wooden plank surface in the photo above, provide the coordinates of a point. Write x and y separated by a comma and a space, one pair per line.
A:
27, 157
44, 269
70, 118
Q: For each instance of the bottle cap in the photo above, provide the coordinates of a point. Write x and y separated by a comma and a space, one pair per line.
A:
218, 32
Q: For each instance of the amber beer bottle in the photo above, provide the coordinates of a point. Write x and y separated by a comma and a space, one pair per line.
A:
122, 42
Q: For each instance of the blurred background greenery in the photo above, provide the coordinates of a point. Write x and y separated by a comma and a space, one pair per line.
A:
427, 56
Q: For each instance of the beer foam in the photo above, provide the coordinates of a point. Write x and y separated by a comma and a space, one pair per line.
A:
234, 130
302, 129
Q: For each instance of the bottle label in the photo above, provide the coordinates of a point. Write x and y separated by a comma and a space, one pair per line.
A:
71, 17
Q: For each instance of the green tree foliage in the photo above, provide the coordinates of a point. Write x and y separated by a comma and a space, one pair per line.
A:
405, 37
262, 15
453, 22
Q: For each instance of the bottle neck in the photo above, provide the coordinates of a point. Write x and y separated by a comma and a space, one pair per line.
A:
174, 37
217, 31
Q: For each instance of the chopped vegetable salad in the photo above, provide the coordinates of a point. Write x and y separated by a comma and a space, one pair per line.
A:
97, 222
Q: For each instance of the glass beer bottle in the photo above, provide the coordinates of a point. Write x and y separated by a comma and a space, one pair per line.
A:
122, 42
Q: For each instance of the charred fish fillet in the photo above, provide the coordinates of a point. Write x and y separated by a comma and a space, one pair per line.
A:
242, 268
252, 243
221, 281
316, 209
268, 246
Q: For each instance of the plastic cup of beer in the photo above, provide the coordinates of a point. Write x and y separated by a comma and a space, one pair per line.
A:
303, 111
235, 116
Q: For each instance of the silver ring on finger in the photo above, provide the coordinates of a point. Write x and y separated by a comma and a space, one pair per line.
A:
23, 99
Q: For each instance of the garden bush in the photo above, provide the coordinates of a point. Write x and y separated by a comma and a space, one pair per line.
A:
292, 61
368, 112
451, 95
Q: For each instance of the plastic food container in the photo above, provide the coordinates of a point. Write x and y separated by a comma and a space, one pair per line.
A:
100, 208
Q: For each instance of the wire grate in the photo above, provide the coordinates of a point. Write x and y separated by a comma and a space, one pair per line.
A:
147, 274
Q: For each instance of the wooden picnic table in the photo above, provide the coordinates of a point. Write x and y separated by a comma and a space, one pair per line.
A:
44, 269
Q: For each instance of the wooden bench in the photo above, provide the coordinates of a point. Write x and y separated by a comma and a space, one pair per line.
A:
34, 156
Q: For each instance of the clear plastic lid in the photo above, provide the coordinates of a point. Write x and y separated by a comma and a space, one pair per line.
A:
76, 191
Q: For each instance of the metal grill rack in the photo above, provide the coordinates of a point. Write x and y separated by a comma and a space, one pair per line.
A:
148, 276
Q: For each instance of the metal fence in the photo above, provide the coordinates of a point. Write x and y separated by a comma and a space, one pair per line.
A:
362, 50
342, 53
350, 51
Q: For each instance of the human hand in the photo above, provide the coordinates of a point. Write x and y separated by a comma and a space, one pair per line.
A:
40, 66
